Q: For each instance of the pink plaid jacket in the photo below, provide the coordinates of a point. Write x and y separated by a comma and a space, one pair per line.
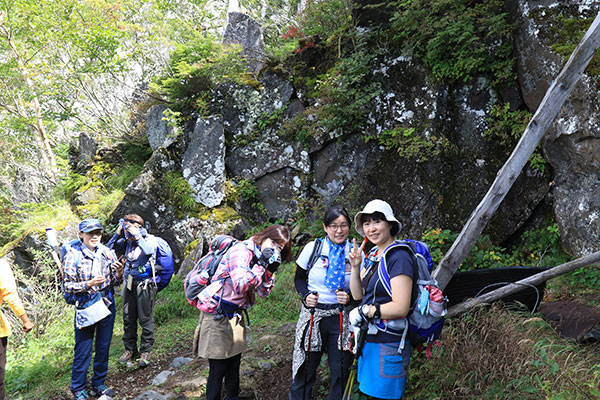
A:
236, 280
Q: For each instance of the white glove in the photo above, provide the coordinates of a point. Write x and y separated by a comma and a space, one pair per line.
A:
356, 320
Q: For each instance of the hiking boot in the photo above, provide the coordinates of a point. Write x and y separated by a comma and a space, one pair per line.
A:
101, 390
144, 360
80, 395
127, 356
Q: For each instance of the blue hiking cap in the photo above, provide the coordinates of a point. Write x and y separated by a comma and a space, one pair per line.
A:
90, 224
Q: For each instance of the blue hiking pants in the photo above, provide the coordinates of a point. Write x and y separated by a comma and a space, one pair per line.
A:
84, 342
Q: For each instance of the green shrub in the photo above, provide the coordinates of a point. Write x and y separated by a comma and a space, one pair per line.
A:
195, 68
540, 248
72, 183
327, 19
123, 176
343, 95
408, 143
180, 193
506, 128
46, 352
31, 217
457, 39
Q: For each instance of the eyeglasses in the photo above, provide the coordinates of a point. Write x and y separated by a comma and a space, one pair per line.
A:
334, 227
95, 233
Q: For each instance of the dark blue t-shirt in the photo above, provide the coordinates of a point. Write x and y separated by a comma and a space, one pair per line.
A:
398, 261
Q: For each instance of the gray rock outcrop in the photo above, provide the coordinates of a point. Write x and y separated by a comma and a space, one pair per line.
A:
82, 156
148, 196
203, 163
245, 31
158, 131
571, 145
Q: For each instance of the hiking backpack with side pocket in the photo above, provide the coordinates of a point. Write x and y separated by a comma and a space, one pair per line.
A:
428, 304
75, 246
161, 261
202, 272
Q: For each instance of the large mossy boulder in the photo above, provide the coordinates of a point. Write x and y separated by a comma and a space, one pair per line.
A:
571, 145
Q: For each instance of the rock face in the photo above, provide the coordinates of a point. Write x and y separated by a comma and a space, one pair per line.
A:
26, 185
158, 131
436, 183
148, 197
242, 29
203, 163
572, 143
82, 156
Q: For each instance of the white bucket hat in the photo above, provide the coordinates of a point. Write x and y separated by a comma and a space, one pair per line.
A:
377, 206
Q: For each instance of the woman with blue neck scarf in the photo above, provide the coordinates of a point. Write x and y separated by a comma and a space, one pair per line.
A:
323, 280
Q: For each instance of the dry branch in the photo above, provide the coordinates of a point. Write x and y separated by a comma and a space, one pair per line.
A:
555, 97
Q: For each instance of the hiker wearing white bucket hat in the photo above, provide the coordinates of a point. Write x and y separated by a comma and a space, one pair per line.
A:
383, 361
378, 206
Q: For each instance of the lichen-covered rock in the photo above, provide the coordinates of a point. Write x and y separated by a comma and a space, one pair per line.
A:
242, 29
439, 177
82, 156
240, 107
269, 155
571, 145
24, 184
158, 131
276, 92
339, 164
203, 163
281, 191
148, 196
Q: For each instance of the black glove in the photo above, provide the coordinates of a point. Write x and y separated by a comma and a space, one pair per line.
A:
270, 259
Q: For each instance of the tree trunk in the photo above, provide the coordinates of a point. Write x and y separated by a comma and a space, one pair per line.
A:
555, 97
523, 284
40, 135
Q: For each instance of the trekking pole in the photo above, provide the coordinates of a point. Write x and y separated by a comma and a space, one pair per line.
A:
341, 307
362, 335
310, 329
53, 243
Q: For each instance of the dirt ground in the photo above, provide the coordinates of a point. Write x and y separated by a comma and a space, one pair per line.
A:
272, 348
270, 382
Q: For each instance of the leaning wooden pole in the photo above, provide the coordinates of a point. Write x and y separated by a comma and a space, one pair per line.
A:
523, 284
552, 102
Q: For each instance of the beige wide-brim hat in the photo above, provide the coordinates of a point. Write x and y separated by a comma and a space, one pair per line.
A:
377, 206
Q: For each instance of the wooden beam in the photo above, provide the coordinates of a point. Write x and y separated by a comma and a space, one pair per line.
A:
523, 284
552, 102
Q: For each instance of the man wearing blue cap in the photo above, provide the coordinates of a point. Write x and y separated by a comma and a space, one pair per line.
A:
148, 269
91, 267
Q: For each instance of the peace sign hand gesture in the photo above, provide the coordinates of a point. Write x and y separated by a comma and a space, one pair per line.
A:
355, 255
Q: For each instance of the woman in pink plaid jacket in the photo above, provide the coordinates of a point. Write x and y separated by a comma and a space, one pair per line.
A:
246, 270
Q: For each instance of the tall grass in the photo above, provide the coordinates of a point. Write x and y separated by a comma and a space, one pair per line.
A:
491, 353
